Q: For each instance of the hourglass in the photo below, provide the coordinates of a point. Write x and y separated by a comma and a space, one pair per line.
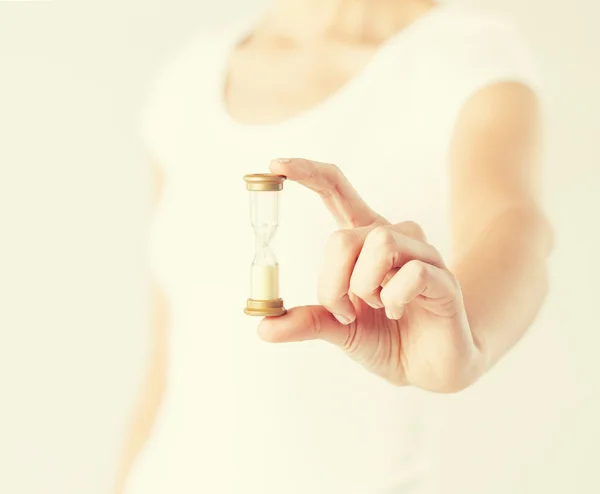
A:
264, 214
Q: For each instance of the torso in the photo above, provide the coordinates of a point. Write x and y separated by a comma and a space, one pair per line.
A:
267, 84
241, 416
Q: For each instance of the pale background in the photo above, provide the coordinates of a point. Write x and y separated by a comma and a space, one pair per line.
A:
73, 197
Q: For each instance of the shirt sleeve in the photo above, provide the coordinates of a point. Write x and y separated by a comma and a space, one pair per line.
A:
496, 54
466, 55
487, 53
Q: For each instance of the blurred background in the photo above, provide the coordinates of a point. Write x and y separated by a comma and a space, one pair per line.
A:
73, 203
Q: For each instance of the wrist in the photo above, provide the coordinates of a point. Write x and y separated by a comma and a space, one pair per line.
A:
466, 373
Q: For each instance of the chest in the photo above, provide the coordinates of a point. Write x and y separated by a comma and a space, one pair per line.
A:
266, 84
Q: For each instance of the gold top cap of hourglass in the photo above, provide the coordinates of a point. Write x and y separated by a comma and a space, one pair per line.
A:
264, 181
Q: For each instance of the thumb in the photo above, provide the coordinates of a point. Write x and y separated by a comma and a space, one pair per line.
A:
309, 322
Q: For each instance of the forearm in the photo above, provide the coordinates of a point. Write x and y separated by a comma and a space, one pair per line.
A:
503, 278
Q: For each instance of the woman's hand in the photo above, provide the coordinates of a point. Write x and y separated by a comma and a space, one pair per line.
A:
387, 297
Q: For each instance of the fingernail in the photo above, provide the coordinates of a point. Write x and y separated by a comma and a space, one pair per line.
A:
375, 305
283, 160
342, 319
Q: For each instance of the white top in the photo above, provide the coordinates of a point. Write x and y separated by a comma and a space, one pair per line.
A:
242, 416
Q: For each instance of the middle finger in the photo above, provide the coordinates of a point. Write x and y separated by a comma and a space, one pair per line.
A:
386, 248
341, 252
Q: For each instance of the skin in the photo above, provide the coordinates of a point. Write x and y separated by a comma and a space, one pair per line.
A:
387, 297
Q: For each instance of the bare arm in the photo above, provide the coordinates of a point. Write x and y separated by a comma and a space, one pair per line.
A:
152, 390
388, 298
501, 238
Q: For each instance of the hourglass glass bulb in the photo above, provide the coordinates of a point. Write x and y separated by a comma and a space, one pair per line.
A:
264, 214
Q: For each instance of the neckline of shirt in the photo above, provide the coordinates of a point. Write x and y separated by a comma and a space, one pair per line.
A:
241, 30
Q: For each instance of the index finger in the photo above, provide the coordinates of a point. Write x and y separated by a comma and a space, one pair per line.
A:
337, 193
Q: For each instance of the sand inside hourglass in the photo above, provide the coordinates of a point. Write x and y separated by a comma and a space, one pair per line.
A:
265, 282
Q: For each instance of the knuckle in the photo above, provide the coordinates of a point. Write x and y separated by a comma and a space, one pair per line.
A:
417, 270
333, 171
340, 243
325, 296
453, 281
356, 287
381, 237
361, 288
332, 176
413, 229
434, 251
435, 255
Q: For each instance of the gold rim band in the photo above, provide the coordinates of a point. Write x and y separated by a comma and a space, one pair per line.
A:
264, 182
265, 308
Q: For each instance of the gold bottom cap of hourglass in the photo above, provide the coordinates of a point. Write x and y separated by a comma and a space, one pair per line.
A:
265, 308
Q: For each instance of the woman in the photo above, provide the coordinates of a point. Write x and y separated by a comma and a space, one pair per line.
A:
431, 113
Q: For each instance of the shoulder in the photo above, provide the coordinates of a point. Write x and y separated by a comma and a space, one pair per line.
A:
195, 57
459, 25
472, 47
462, 53
184, 80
